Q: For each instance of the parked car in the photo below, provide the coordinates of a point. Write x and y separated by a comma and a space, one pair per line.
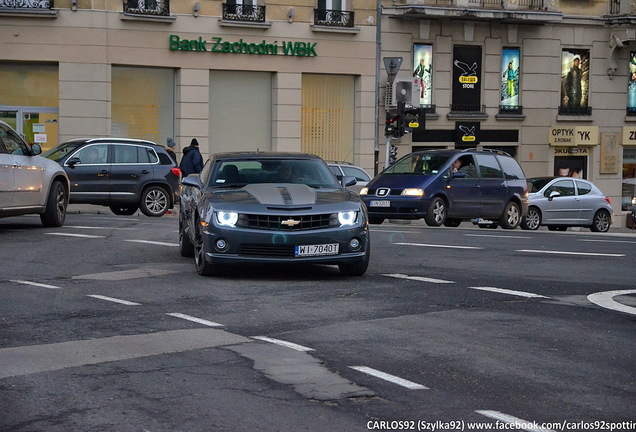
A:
30, 184
562, 202
265, 207
446, 187
341, 169
124, 174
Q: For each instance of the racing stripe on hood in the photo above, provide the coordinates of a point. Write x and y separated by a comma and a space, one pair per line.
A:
282, 194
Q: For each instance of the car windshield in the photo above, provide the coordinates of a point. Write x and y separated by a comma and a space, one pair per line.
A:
59, 152
311, 172
420, 164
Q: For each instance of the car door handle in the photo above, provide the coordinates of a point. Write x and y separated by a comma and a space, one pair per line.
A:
145, 172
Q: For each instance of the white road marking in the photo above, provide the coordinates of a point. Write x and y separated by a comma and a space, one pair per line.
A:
195, 319
111, 299
153, 242
36, 284
283, 343
607, 241
570, 253
395, 231
96, 227
437, 246
511, 292
76, 235
388, 377
418, 278
497, 236
606, 299
523, 424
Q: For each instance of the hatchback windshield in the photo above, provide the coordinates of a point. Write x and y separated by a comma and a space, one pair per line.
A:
59, 152
311, 172
418, 163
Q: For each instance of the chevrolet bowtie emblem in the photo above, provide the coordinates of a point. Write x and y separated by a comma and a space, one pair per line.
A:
290, 222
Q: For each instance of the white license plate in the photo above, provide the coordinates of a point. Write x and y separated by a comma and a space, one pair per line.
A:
382, 203
316, 250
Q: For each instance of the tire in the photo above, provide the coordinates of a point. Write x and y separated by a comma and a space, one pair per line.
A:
375, 220
452, 223
511, 216
436, 213
123, 210
56, 203
155, 201
359, 268
531, 221
203, 267
186, 247
601, 221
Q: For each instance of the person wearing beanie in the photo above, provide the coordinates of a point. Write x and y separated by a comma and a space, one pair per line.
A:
170, 150
192, 161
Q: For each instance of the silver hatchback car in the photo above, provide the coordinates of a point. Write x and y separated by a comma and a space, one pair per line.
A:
562, 202
30, 183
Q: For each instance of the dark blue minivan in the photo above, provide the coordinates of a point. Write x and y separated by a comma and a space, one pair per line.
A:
446, 187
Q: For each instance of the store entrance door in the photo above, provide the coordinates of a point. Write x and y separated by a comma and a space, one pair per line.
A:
35, 124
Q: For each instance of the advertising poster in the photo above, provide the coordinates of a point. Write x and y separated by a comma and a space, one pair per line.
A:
570, 166
423, 68
575, 74
510, 67
631, 88
466, 78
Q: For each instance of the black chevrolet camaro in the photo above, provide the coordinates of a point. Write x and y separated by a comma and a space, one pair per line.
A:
269, 207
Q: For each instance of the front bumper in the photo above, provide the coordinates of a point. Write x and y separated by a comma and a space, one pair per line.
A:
401, 207
263, 246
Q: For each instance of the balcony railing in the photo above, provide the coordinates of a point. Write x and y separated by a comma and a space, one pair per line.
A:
26, 4
243, 12
580, 110
510, 109
468, 108
491, 4
333, 18
147, 7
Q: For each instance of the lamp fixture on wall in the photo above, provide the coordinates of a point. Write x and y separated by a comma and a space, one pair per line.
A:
197, 8
290, 15
73, 5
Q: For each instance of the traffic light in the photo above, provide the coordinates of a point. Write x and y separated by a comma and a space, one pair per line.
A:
392, 125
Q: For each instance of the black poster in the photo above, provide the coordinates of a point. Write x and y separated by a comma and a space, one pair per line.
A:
466, 134
466, 78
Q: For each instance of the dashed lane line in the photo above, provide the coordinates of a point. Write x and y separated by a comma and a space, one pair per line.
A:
388, 377
37, 284
279, 342
522, 424
195, 319
114, 300
570, 253
418, 278
498, 236
158, 243
437, 246
511, 292
75, 235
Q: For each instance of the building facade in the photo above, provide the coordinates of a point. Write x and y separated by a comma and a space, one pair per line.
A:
235, 75
551, 82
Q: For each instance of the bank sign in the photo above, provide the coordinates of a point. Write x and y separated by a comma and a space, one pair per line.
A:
219, 45
574, 136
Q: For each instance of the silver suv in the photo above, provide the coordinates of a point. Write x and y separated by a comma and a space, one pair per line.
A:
30, 183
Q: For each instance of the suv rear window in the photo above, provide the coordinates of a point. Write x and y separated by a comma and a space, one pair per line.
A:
511, 168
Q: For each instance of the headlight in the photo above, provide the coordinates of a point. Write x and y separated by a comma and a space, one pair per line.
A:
413, 192
225, 218
364, 191
347, 217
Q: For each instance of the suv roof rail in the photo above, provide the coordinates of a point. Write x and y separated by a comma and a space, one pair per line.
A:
339, 162
501, 152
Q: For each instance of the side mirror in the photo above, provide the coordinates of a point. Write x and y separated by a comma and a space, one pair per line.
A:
73, 161
36, 149
348, 181
192, 180
553, 194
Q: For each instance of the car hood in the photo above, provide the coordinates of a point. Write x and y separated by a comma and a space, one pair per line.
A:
285, 194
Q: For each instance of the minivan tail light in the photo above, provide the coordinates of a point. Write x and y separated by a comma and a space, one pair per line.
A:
176, 171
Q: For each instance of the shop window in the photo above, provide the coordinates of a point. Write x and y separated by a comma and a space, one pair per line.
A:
333, 13
327, 111
629, 179
142, 103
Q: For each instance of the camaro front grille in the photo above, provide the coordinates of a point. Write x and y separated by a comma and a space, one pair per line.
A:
287, 223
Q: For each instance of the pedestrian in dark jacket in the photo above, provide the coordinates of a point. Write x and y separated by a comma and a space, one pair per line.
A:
192, 161
170, 150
